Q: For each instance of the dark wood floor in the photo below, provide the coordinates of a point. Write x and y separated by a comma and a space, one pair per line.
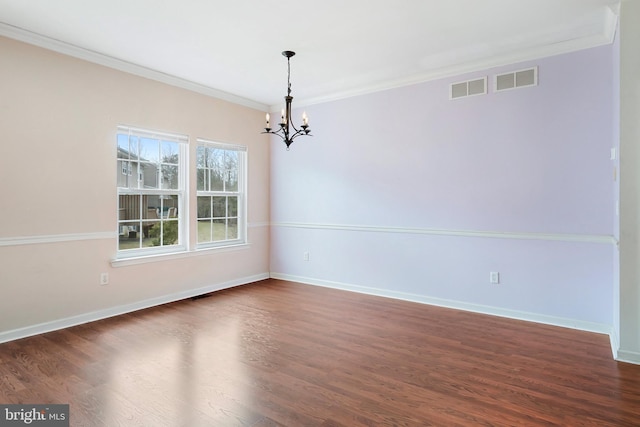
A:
277, 353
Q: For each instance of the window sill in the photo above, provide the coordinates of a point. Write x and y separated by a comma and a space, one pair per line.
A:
144, 259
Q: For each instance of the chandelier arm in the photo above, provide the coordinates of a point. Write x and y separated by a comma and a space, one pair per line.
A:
275, 133
295, 128
299, 133
281, 132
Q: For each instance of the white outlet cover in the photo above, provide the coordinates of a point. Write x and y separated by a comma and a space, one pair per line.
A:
494, 277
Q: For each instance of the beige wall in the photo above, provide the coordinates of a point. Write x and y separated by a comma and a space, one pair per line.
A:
58, 118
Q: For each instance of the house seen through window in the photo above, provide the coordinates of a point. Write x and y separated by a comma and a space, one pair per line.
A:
151, 191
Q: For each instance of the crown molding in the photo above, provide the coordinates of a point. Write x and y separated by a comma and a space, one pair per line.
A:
69, 49
581, 40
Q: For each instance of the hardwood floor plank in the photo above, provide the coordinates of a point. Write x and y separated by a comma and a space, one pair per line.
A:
276, 353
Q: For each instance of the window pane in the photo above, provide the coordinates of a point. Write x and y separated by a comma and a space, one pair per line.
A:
219, 229
219, 207
127, 174
128, 207
129, 230
170, 152
123, 173
233, 206
201, 157
216, 164
212, 156
150, 220
164, 233
231, 183
149, 150
123, 146
170, 177
204, 231
150, 202
216, 182
147, 242
201, 180
129, 237
132, 175
231, 170
204, 207
148, 176
134, 144
168, 206
232, 229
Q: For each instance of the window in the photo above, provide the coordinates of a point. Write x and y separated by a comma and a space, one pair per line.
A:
221, 193
151, 191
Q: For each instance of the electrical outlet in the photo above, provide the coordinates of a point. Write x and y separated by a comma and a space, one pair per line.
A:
305, 256
494, 277
104, 278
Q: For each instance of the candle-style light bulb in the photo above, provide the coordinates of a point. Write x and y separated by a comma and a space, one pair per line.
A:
267, 119
305, 119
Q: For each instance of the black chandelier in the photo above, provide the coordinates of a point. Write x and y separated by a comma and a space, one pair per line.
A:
287, 131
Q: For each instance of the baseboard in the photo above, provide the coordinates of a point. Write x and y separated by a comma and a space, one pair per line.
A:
476, 308
615, 342
622, 355
619, 355
123, 309
628, 356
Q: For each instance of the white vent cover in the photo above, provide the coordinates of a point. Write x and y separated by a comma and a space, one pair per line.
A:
468, 88
516, 79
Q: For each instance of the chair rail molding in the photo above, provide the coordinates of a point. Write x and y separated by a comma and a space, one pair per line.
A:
56, 238
563, 237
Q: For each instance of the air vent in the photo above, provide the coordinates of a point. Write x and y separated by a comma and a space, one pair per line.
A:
468, 88
516, 79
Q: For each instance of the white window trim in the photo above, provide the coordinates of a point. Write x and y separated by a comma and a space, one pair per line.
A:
123, 262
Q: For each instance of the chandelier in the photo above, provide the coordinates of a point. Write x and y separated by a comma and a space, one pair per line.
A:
287, 130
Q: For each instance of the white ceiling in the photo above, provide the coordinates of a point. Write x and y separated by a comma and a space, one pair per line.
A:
232, 48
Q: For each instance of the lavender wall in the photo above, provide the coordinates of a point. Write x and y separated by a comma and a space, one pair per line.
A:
409, 194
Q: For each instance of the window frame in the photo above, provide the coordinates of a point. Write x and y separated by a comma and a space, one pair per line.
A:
181, 192
240, 193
